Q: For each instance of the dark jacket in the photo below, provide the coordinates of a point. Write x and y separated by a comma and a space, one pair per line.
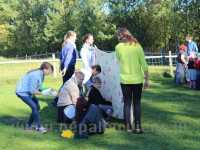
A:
96, 98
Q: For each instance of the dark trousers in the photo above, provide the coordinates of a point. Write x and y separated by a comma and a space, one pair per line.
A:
92, 122
32, 102
198, 80
132, 96
61, 118
68, 74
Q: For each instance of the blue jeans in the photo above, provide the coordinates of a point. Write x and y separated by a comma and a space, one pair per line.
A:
180, 74
32, 102
94, 118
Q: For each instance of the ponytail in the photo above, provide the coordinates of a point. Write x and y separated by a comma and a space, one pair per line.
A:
67, 36
44, 65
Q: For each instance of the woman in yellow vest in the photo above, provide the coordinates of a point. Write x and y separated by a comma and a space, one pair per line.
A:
133, 75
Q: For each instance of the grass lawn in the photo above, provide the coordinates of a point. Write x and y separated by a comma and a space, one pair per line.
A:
171, 118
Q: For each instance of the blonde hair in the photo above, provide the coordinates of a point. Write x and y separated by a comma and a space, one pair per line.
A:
67, 36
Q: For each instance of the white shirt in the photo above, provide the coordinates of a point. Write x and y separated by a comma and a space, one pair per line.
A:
88, 57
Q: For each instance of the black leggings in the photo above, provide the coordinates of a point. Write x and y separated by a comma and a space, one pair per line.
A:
132, 95
68, 74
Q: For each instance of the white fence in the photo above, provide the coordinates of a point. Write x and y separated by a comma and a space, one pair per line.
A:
155, 60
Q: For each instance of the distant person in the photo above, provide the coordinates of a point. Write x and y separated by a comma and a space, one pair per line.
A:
27, 89
88, 55
133, 72
68, 56
68, 95
191, 45
96, 69
90, 118
181, 66
192, 70
94, 94
197, 66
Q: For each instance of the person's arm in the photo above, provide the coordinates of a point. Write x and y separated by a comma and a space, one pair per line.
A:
34, 85
146, 79
74, 93
117, 54
99, 99
67, 52
144, 68
196, 48
184, 59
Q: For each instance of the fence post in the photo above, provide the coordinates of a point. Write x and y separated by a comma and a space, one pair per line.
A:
171, 63
54, 64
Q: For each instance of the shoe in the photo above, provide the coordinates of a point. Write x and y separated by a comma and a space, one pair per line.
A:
41, 130
138, 131
28, 128
128, 130
81, 136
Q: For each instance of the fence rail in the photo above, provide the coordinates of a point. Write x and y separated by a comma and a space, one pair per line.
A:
166, 60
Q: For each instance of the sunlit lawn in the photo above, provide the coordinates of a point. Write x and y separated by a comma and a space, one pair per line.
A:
171, 118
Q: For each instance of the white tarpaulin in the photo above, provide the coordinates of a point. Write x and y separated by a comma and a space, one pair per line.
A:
111, 89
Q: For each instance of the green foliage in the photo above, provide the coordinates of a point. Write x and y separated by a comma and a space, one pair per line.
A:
38, 26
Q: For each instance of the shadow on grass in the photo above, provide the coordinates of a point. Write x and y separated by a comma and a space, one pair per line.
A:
163, 130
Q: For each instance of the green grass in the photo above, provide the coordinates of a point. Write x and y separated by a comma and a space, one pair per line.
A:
171, 118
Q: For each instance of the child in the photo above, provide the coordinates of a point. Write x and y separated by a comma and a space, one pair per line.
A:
192, 71
90, 118
96, 69
28, 87
94, 112
197, 66
182, 61
94, 95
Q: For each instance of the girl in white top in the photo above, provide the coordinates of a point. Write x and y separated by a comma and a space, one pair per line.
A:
88, 56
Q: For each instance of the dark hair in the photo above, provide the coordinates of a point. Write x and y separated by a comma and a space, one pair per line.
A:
97, 68
44, 65
125, 36
85, 37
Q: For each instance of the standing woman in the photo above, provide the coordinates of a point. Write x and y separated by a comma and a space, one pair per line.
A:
133, 73
68, 56
27, 89
88, 56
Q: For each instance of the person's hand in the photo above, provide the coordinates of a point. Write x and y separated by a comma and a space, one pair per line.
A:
146, 84
63, 72
37, 93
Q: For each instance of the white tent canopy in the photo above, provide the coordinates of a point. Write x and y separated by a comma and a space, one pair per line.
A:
111, 89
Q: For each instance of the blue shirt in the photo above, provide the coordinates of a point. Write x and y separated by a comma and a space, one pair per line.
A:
192, 47
30, 83
68, 55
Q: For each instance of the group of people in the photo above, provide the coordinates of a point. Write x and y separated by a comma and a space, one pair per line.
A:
188, 64
82, 89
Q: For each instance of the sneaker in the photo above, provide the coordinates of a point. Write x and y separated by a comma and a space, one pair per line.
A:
41, 130
28, 128
128, 130
81, 136
138, 131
